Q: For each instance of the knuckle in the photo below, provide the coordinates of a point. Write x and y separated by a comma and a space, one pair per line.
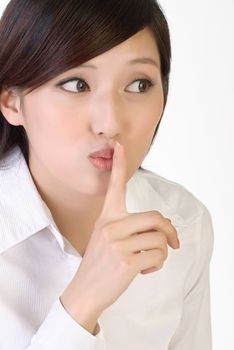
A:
161, 241
159, 265
155, 215
160, 255
126, 264
161, 237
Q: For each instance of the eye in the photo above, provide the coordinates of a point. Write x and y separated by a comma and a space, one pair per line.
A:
143, 84
72, 86
78, 85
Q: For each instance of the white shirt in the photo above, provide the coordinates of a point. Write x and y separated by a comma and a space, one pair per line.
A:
168, 309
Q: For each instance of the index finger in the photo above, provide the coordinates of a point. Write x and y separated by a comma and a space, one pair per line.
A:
115, 197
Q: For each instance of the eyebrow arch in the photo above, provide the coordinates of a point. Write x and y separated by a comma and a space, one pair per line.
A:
143, 60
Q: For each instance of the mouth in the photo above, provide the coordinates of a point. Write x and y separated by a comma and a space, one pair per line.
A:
106, 153
101, 163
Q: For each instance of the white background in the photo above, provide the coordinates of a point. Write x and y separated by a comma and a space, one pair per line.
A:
193, 146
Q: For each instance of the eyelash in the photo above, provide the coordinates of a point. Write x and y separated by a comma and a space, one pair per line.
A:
149, 82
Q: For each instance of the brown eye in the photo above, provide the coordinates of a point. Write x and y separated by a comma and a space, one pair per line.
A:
143, 85
74, 85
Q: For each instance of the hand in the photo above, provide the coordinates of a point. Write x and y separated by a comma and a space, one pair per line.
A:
113, 255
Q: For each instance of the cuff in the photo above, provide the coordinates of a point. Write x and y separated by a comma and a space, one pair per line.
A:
60, 331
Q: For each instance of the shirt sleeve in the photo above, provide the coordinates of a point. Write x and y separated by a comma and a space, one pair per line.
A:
194, 331
60, 331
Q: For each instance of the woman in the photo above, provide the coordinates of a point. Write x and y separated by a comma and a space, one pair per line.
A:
96, 252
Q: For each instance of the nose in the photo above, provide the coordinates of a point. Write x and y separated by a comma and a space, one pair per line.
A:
107, 115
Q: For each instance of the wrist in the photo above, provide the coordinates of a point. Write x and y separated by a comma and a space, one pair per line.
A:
82, 313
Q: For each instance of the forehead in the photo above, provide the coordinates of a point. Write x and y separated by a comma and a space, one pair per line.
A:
141, 44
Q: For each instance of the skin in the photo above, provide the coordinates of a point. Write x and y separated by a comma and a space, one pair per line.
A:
64, 127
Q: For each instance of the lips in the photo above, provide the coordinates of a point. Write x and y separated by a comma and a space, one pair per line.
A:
106, 153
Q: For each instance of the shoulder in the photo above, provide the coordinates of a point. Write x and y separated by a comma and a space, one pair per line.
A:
179, 199
171, 198
189, 214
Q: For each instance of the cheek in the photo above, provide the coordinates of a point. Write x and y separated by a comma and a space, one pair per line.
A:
53, 134
141, 140
49, 123
146, 125
144, 129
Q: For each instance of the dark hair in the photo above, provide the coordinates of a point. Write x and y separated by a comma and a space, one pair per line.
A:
43, 39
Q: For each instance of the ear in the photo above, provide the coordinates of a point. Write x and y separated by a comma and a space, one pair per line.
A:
10, 101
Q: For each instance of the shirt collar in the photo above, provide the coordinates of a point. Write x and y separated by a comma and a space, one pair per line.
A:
24, 213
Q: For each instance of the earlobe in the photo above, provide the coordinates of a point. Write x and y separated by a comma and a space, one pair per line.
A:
10, 107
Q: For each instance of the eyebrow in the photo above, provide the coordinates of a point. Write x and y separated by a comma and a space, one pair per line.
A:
142, 60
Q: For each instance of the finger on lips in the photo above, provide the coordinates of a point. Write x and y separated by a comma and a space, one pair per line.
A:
115, 203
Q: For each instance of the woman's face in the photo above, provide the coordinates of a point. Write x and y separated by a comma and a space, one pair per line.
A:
114, 100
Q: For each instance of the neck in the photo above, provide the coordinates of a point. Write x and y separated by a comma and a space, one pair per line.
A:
74, 213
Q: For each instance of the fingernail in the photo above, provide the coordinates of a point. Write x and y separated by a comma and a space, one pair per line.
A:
119, 147
116, 149
178, 244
